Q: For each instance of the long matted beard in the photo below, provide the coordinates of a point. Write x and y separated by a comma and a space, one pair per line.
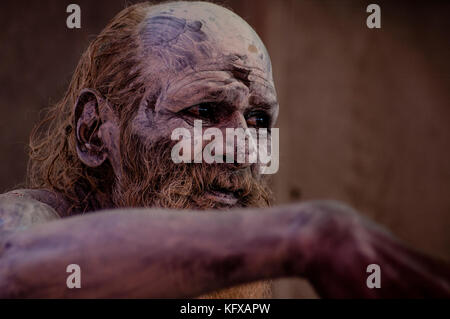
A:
151, 179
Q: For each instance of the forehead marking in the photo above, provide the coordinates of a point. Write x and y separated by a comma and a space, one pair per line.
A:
252, 48
165, 30
178, 42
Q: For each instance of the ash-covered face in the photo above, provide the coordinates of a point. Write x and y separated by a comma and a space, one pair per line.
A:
212, 67
204, 63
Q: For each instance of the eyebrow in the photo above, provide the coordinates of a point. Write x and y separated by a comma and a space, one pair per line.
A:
259, 98
257, 101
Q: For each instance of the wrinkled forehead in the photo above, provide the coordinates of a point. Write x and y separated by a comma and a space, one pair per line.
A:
194, 35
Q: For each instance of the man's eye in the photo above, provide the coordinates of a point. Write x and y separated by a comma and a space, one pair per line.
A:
258, 120
204, 111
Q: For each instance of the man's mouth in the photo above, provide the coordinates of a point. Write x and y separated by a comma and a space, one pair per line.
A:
223, 196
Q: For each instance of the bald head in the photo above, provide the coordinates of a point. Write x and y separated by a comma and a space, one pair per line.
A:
198, 33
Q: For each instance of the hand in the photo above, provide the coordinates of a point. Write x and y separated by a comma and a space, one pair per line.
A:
344, 243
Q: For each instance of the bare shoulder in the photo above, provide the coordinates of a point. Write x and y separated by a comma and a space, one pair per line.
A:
22, 208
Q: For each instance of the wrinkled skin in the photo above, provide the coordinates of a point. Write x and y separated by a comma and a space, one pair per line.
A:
201, 53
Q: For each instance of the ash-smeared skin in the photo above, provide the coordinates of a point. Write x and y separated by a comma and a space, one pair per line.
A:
35, 207
202, 52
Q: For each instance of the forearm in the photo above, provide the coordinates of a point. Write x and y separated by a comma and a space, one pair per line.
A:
142, 253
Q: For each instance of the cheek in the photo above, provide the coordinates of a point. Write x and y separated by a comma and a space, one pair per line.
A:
152, 127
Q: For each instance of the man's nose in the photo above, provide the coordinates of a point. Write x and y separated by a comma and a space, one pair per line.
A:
236, 120
238, 144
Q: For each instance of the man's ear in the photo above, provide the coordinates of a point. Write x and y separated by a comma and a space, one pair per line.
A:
91, 149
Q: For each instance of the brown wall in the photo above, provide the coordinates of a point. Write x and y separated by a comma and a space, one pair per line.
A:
364, 114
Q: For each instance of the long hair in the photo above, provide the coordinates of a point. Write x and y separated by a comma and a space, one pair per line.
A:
111, 65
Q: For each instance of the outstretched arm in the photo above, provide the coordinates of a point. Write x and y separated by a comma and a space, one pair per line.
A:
160, 253
149, 253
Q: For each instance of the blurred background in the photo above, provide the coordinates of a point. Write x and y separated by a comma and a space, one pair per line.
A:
364, 113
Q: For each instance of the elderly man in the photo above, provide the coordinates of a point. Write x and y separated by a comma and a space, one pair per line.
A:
105, 193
